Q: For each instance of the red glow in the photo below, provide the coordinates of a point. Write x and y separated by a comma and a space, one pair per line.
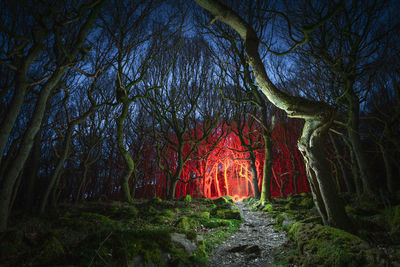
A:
223, 169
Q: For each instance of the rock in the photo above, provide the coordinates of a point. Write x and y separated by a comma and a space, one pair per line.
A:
253, 249
286, 220
181, 241
228, 214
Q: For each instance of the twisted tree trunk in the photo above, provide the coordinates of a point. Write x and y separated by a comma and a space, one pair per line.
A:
317, 115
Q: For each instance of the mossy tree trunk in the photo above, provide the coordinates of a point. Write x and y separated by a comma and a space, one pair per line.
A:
267, 169
317, 115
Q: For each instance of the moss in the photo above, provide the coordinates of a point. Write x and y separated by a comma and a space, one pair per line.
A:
131, 211
11, 243
168, 213
268, 208
152, 210
200, 255
395, 220
121, 247
214, 238
160, 219
215, 223
306, 203
326, 246
204, 214
212, 206
187, 223
228, 214
187, 199
155, 201
51, 250
314, 219
176, 210
222, 202
349, 209
290, 206
228, 198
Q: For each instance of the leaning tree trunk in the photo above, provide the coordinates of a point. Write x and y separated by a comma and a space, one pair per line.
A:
318, 116
17, 165
21, 85
8, 182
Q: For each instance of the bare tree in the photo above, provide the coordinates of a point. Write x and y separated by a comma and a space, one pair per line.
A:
318, 116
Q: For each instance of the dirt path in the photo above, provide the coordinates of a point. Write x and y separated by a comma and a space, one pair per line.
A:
252, 244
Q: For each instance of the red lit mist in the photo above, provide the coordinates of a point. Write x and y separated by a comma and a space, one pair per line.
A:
221, 167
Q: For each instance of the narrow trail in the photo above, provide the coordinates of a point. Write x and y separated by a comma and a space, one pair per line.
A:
252, 245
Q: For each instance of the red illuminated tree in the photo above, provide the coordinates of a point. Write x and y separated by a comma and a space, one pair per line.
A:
184, 110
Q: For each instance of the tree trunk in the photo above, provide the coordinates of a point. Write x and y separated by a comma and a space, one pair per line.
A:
254, 174
25, 148
318, 115
267, 170
172, 189
7, 184
60, 164
311, 146
34, 164
130, 165
369, 185
21, 86
347, 180
390, 184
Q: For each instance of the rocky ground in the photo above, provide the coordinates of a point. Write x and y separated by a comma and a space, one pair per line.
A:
253, 244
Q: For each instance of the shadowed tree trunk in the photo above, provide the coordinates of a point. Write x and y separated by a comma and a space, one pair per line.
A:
318, 117
14, 170
347, 180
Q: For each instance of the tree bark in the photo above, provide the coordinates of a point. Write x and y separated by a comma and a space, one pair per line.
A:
17, 165
267, 170
34, 164
8, 182
21, 86
130, 165
254, 174
318, 115
347, 180
369, 185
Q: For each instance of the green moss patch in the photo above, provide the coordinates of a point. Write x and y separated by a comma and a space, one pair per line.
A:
327, 246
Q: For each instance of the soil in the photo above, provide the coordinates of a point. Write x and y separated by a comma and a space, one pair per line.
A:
253, 244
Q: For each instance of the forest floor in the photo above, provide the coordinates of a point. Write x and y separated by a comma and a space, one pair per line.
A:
253, 244
200, 232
